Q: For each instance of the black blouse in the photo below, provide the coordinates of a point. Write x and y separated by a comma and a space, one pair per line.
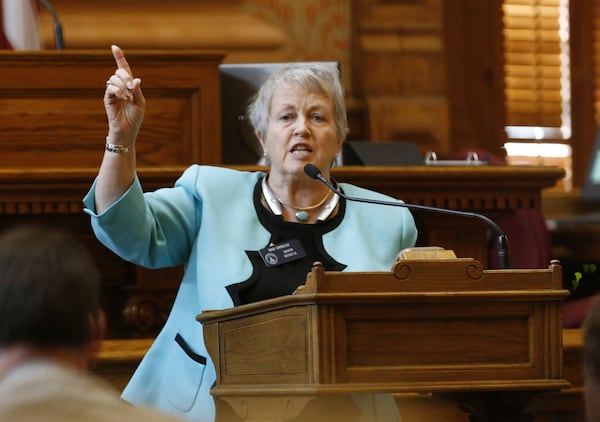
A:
269, 281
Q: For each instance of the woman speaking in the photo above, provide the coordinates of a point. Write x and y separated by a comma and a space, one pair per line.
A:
219, 222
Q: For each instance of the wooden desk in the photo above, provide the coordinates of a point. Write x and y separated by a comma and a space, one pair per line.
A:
442, 326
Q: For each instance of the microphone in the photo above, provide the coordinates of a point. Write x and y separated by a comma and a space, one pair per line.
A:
503, 257
58, 37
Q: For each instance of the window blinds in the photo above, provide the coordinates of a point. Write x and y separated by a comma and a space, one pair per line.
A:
534, 64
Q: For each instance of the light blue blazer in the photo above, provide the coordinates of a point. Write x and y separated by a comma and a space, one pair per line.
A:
206, 222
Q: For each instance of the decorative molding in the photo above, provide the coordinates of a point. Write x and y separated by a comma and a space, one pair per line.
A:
146, 310
60, 190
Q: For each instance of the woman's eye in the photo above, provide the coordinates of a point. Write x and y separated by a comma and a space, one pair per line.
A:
317, 117
285, 117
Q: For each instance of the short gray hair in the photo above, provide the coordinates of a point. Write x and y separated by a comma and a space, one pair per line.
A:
313, 77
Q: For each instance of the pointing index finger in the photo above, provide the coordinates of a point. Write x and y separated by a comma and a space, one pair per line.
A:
120, 59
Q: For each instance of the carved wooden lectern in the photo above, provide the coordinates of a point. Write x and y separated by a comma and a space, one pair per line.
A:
428, 326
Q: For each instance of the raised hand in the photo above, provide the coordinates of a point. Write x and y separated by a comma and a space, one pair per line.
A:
124, 102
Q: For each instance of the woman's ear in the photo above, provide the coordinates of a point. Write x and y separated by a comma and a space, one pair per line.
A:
260, 139
264, 160
340, 143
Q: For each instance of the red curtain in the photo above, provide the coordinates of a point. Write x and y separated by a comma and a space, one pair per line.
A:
4, 43
24, 31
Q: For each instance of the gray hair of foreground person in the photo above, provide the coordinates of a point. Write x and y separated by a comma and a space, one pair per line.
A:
49, 290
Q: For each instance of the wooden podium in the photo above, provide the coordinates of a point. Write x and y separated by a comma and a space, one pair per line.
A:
442, 326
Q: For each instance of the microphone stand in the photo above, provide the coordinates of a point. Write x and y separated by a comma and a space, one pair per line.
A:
503, 255
58, 36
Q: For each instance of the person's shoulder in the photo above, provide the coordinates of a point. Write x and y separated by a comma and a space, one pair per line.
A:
103, 402
35, 386
370, 210
360, 192
207, 175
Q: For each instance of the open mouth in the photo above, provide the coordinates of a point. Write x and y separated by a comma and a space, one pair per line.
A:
301, 150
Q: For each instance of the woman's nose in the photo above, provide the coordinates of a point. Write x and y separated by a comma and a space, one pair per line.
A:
300, 127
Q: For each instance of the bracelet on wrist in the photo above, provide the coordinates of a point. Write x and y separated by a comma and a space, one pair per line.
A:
117, 149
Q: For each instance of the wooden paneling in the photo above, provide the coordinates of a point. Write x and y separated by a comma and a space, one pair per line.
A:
52, 116
584, 124
474, 74
428, 71
53, 126
398, 68
423, 121
152, 24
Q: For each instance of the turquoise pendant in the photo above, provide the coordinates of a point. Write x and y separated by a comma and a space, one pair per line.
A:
302, 215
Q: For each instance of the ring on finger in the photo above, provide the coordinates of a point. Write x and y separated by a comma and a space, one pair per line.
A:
108, 83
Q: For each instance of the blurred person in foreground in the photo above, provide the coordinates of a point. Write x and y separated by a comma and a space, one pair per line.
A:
591, 362
51, 327
220, 223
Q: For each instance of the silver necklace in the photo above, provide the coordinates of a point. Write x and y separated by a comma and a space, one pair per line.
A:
328, 203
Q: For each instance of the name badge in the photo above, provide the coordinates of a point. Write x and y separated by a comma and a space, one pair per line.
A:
288, 251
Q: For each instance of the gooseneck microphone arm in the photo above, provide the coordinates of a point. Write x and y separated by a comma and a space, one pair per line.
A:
58, 36
503, 256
